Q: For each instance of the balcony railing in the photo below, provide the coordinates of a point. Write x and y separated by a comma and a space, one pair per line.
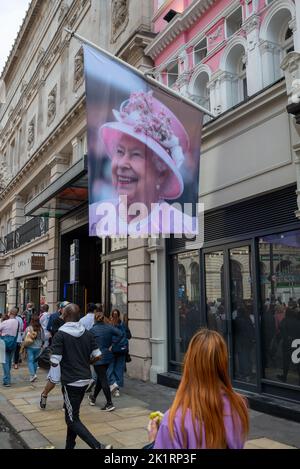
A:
31, 230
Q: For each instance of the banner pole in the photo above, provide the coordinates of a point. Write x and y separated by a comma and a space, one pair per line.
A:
141, 74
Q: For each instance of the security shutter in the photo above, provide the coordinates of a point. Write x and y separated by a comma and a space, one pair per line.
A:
265, 212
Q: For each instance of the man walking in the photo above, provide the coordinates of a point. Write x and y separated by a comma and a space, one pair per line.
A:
74, 348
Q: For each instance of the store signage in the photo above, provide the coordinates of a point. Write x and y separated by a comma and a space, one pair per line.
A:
37, 262
74, 261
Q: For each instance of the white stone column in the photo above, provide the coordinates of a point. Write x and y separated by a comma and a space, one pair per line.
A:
76, 149
158, 308
139, 308
254, 66
270, 56
227, 91
216, 104
17, 213
295, 26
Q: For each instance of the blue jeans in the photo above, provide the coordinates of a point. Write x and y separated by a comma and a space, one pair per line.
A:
115, 372
32, 354
7, 366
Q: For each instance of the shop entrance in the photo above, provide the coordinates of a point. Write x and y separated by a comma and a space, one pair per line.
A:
88, 287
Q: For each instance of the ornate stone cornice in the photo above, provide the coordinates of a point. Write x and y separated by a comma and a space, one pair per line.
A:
47, 59
181, 23
291, 62
35, 159
251, 23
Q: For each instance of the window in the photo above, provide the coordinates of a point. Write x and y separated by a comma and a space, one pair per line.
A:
186, 301
118, 285
172, 75
279, 257
234, 22
288, 43
201, 92
200, 51
242, 80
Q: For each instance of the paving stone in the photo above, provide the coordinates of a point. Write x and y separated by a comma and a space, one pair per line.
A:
17, 402
131, 437
27, 409
266, 443
43, 416
131, 423
132, 411
100, 428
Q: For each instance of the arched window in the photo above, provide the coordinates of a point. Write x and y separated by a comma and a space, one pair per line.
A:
236, 76
277, 41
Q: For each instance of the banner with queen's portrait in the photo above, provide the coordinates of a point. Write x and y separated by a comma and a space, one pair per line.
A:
143, 153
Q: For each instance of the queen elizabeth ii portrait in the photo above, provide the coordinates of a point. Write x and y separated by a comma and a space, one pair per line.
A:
146, 144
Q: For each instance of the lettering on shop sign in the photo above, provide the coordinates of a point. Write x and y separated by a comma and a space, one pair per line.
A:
23, 263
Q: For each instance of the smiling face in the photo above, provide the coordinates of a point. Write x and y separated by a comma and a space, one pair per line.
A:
133, 172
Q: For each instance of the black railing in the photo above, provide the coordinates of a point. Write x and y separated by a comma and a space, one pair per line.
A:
31, 230
9, 241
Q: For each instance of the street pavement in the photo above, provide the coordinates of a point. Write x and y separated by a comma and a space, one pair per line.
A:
124, 428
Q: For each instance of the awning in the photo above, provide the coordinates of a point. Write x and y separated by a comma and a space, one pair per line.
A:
68, 192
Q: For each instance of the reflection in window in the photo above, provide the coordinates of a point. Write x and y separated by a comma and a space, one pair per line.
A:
214, 288
118, 285
186, 317
280, 303
242, 314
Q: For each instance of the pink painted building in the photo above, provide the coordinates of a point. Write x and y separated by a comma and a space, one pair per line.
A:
239, 59
220, 52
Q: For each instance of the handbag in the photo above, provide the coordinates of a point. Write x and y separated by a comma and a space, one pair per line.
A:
29, 338
10, 342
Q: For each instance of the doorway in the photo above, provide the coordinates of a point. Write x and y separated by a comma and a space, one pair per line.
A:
88, 287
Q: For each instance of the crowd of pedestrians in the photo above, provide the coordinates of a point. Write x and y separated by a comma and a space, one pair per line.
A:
89, 354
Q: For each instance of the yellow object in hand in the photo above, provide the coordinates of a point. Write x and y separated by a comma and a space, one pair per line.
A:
159, 415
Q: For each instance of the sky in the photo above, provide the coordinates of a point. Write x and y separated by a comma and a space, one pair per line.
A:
12, 13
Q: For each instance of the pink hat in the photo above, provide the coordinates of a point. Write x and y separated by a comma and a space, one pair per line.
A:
148, 120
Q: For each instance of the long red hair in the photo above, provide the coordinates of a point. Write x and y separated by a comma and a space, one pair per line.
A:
205, 377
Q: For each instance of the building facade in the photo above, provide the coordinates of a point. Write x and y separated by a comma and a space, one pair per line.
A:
238, 59
43, 165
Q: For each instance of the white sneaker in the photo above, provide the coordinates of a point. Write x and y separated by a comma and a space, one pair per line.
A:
33, 378
113, 386
117, 393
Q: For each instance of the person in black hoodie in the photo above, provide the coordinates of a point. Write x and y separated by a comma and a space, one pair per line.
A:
75, 348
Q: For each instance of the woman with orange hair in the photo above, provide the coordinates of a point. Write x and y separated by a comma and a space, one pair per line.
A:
206, 412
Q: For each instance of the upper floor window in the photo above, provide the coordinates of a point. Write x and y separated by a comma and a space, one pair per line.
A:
288, 42
242, 80
200, 51
234, 22
172, 74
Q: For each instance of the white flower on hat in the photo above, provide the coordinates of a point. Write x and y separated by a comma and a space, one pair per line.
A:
172, 144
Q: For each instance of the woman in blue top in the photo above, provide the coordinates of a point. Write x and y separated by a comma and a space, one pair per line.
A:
116, 369
105, 335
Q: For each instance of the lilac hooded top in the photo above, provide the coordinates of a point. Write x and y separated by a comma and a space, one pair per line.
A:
164, 440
